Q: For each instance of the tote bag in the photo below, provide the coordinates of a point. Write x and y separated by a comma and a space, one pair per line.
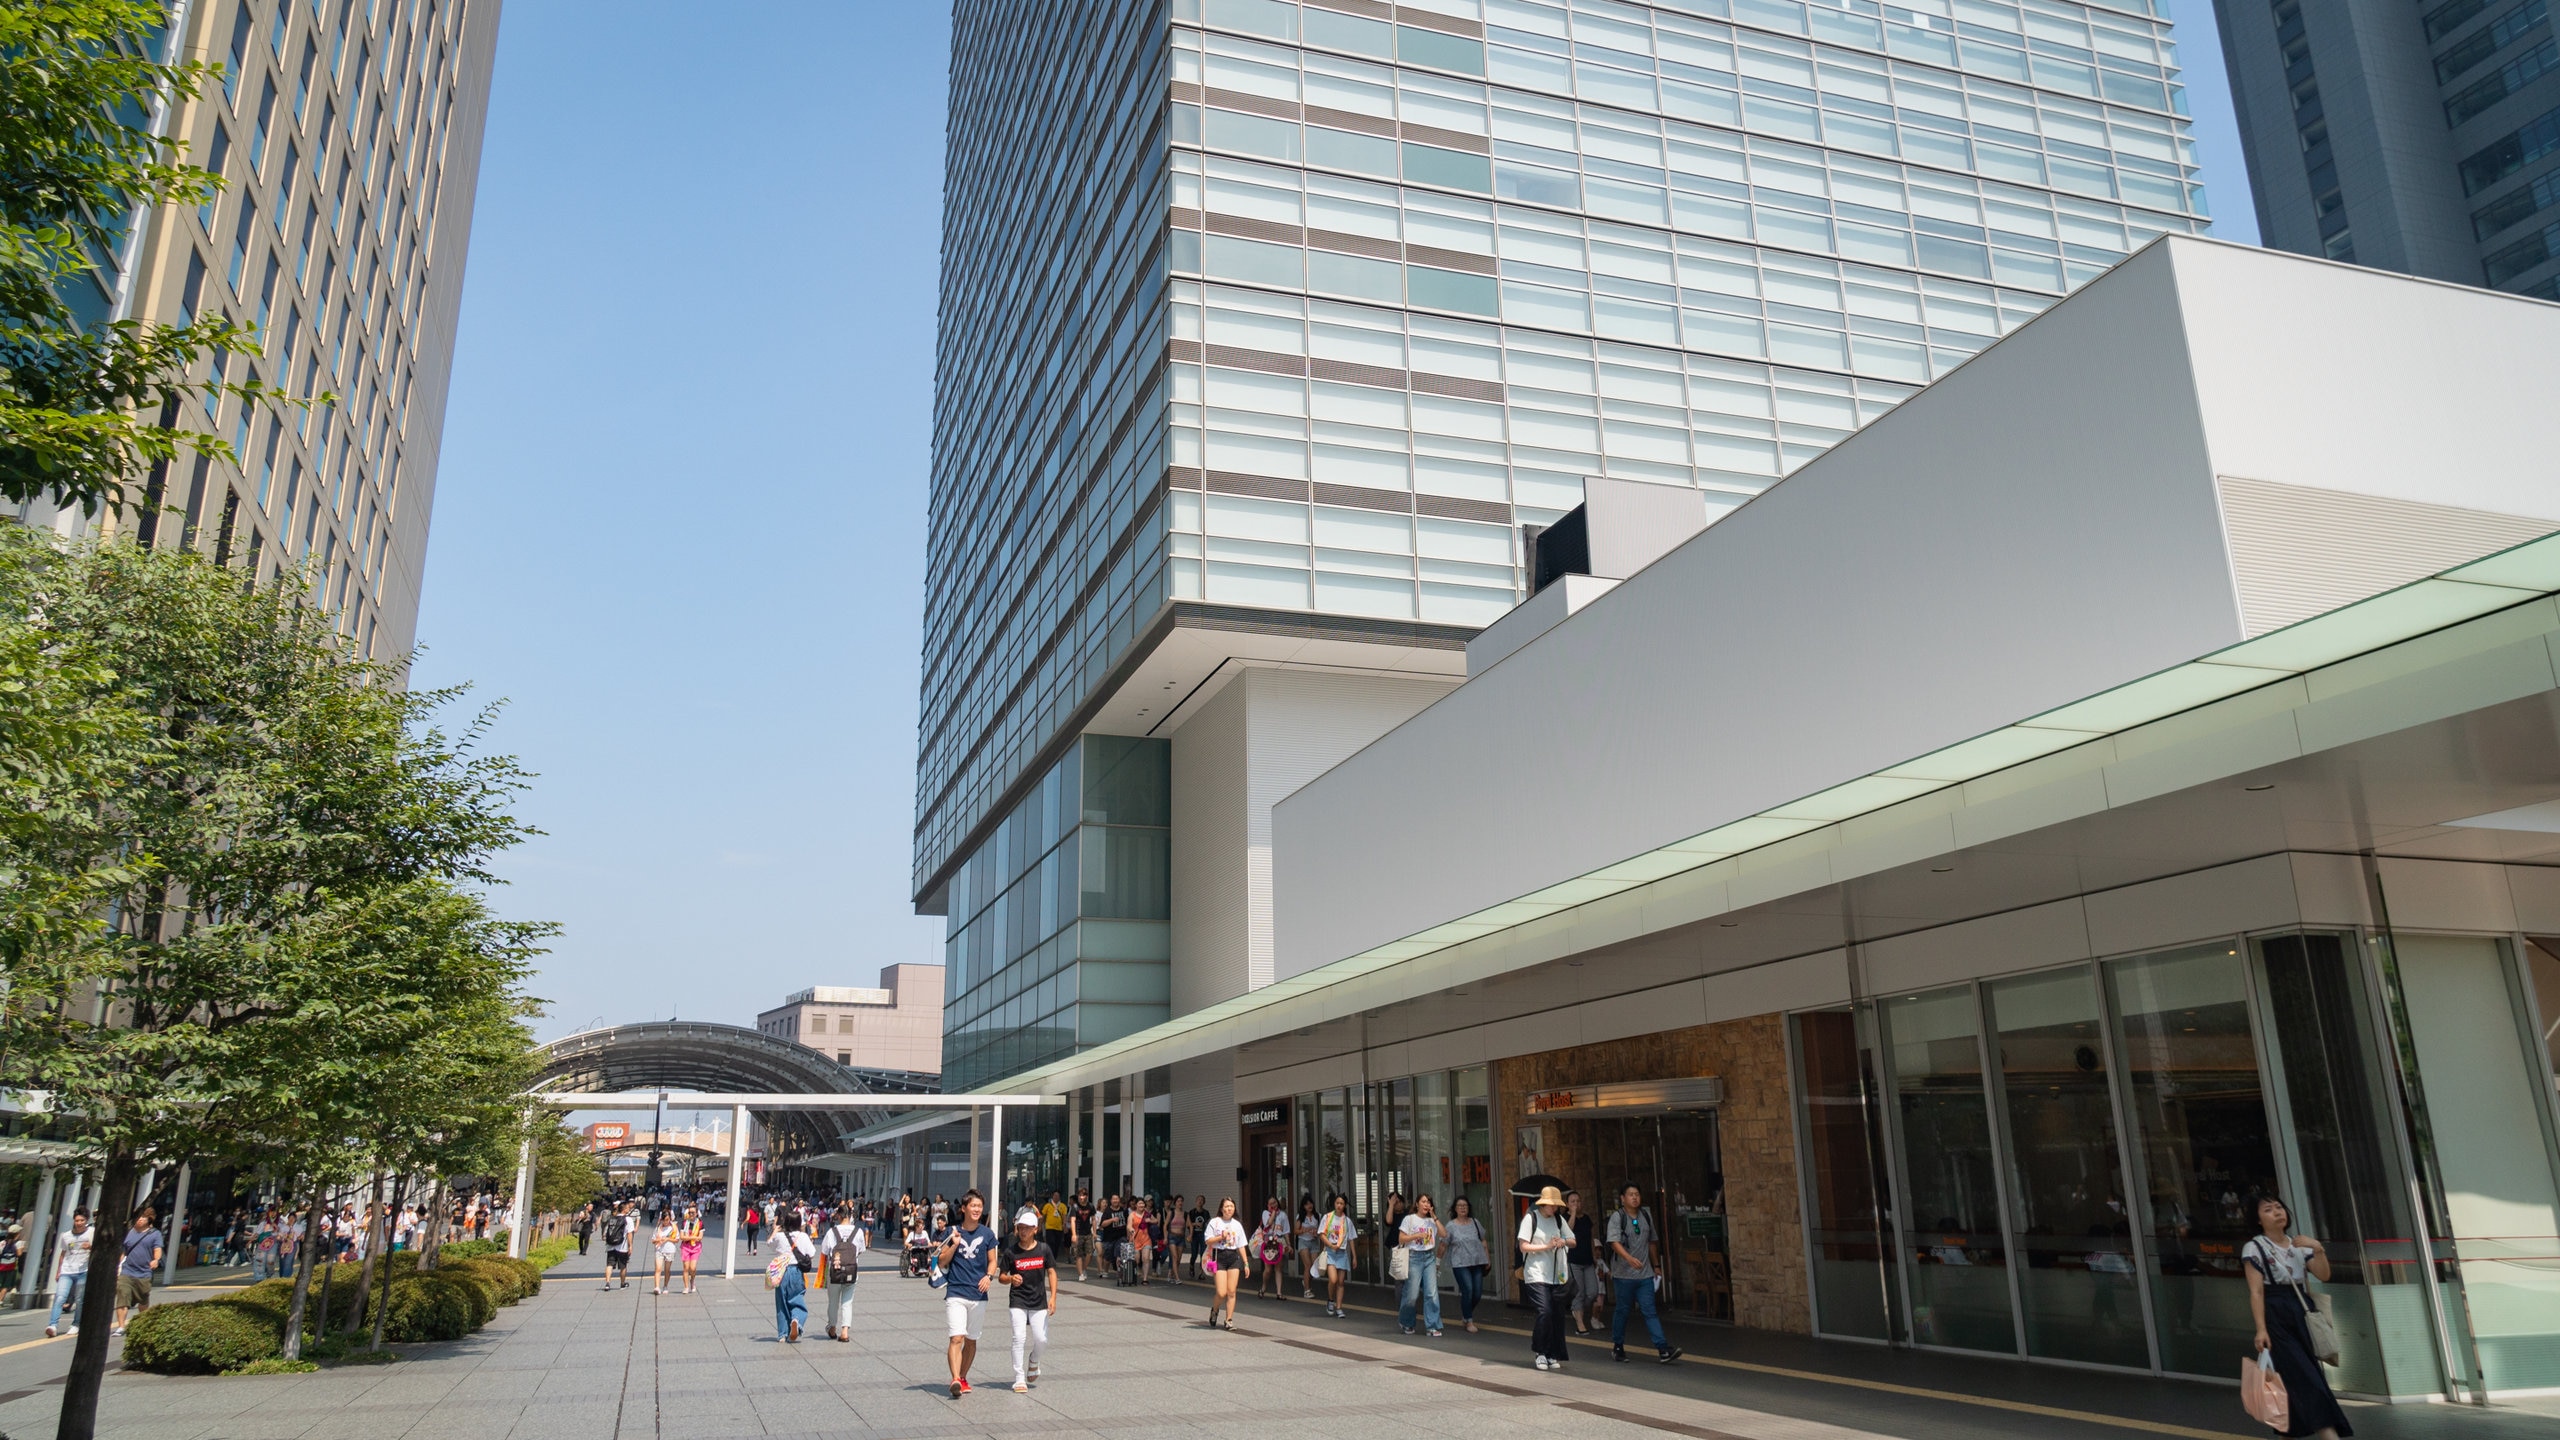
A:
2321, 1327
1400, 1263
2262, 1393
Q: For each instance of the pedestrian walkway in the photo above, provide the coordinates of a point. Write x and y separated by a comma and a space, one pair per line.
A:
581, 1363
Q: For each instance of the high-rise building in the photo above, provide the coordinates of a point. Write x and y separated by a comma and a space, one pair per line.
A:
2414, 135
347, 133
1266, 326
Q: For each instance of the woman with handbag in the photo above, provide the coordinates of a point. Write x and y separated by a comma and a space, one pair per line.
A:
787, 1276
1271, 1247
1223, 1240
2291, 1328
1419, 1240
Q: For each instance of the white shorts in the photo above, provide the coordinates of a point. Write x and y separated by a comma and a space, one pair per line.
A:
964, 1316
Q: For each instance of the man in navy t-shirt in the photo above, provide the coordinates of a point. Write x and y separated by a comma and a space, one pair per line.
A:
966, 1278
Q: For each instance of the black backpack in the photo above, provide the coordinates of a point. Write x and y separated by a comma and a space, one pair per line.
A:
616, 1231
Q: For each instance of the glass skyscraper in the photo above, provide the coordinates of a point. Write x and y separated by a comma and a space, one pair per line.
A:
1262, 318
2410, 135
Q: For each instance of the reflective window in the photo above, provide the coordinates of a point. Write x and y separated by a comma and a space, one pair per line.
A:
2067, 1192
2199, 1109
1953, 1251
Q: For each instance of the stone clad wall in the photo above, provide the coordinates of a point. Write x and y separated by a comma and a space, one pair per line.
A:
1763, 1218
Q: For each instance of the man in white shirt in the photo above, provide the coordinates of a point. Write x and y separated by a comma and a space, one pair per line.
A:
70, 1272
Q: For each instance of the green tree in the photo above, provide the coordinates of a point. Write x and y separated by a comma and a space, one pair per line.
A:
78, 166
292, 828
565, 1176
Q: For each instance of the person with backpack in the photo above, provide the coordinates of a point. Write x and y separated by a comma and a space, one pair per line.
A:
1632, 1243
1337, 1234
794, 1256
1545, 1241
841, 1247
617, 1246
586, 1227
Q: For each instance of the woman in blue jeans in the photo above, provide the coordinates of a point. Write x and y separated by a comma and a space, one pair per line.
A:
791, 1292
1469, 1259
1420, 1237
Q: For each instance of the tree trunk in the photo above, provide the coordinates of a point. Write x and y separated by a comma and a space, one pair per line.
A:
375, 1236
434, 1243
98, 1303
302, 1280
399, 1193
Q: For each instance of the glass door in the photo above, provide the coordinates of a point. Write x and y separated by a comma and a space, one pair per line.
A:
1954, 1256
2074, 1231
2200, 1113
1839, 1132
1697, 1266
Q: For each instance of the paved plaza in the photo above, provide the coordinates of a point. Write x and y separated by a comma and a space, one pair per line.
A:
1131, 1364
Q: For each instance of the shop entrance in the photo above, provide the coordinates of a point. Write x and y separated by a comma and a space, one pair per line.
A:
1262, 1171
1677, 1161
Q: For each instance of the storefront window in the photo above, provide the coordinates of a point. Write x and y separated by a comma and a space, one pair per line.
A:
2066, 1179
2200, 1111
1958, 1264
2352, 1196
2490, 1129
1839, 1134
1333, 1139
1472, 1114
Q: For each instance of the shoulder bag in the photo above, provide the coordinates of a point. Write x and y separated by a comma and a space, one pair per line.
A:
1400, 1261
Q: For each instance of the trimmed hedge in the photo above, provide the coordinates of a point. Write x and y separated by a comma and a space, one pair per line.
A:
223, 1335
203, 1337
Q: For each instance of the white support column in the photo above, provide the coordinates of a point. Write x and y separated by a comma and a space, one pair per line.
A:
995, 1171
738, 1123
969, 1178
520, 1214
177, 1221
31, 1254
1133, 1132
1075, 1143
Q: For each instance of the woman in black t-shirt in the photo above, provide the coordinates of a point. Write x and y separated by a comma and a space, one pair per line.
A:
1031, 1268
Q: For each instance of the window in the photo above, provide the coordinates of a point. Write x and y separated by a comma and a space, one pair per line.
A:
192, 296
239, 55
258, 135
240, 239
2509, 78
2489, 39
302, 82
217, 158
2508, 154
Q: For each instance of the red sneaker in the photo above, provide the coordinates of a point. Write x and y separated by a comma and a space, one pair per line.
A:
965, 1386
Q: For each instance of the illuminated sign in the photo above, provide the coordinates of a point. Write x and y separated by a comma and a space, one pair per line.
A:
1263, 1116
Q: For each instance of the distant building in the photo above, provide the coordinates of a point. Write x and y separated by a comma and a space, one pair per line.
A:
894, 1031
2419, 138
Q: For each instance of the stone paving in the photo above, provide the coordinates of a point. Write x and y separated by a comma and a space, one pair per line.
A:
1130, 1364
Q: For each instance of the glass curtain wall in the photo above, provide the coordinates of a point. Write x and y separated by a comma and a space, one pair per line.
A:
2070, 1157
1060, 928
1395, 1139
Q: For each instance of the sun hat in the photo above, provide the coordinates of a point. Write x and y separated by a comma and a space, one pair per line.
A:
1551, 1196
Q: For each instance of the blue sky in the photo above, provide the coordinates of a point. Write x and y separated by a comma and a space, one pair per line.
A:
679, 519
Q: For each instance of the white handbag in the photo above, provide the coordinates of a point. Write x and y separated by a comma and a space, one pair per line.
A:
1399, 1263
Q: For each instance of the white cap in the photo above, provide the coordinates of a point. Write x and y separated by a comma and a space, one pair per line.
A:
1028, 1217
